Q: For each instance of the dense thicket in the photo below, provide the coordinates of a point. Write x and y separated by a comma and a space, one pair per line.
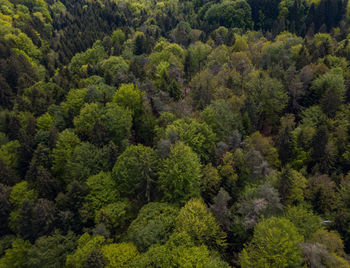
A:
174, 133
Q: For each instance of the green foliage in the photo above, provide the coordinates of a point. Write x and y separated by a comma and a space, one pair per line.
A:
8, 153
135, 172
115, 216
196, 135
86, 244
17, 255
86, 160
180, 174
258, 202
269, 97
154, 224
118, 122
90, 57
84, 123
196, 220
102, 191
25, 45
221, 119
75, 100
129, 96
108, 108
264, 146
119, 255
329, 89
331, 240
179, 251
45, 122
321, 192
292, 186
21, 192
275, 243
51, 251
66, 143
230, 14
197, 53
114, 65
304, 220
118, 37
211, 182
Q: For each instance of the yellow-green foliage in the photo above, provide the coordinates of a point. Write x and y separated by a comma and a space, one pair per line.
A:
196, 220
86, 244
21, 192
65, 145
45, 122
8, 153
74, 101
276, 243
102, 191
130, 97
119, 255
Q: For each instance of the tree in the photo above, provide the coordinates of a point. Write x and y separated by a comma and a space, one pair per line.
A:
196, 220
304, 220
329, 89
69, 205
119, 255
118, 39
18, 255
264, 146
285, 139
7, 175
129, 96
117, 121
75, 100
228, 173
292, 186
331, 240
135, 172
115, 216
86, 160
203, 86
269, 97
257, 202
194, 134
139, 42
5, 209
102, 191
85, 121
45, 121
114, 65
179, 251
196, 55
89, 57
321, 192
230, 14
180, 174
62, 153
51, 251
9, 155
275, 244
221, 118
36, 219
220, 209
20, 192
154, 224
86, 244
181, 34
211, 181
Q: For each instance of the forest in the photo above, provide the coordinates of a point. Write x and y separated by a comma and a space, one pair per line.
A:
174, 133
